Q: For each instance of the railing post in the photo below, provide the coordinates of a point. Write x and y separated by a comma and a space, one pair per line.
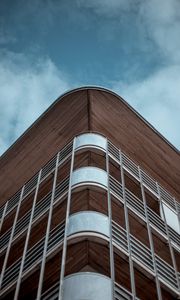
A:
64, 251
131, 265
11, 237
3, 215
42, 269
110, 224
27, 238
150, 237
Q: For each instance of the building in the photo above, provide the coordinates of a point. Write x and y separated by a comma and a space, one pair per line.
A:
92, 210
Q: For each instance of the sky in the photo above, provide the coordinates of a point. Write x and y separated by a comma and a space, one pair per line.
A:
50, 46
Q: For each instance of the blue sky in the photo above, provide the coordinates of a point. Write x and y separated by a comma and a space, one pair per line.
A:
50, 46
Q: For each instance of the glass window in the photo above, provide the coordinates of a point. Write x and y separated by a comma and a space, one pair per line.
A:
171, 218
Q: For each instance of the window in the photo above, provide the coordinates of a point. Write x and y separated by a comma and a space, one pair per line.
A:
171, 217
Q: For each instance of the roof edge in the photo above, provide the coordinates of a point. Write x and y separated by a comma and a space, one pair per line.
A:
98, 88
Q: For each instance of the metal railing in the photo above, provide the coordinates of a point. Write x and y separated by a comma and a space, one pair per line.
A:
166, 272
31, 184
119, 235
155, 220
167, 197
134, 204
33, 255
148, 182
138, 249
114, 151
2, 210
51, 293
137, 207
140, 253
121, 293
40, 209
128, 164
115, 187
175, 237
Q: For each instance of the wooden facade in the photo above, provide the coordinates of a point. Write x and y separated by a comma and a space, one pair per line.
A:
89, 110
133, 202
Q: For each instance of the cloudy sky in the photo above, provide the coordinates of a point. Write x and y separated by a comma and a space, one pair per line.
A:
50, 46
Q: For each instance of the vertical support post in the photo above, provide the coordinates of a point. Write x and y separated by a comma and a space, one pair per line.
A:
3, 215
110, 225
168, 236
150, 236
27, 239
64, 251
42, 269
11, 236
133, 287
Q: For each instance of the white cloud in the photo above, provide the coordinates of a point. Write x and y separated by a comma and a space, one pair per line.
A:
157, 99
26, 90
158, 96
162, 21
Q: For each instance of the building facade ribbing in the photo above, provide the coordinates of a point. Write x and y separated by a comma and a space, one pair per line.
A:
90, 224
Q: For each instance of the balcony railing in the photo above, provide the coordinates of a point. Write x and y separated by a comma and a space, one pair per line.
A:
119, 235
149, 182
31, 184
166, 272
137, 207
133, 203
130, 166
115, 187
140, 253
121, 293
40, 209
33, 255
113, 151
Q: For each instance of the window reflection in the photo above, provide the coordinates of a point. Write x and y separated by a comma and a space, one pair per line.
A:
171, 218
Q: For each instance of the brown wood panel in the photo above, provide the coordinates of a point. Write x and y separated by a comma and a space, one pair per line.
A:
76, 112
66, 118
113, 118
98, 258
138, 230
161, 248
118, 212
77, 257
89, 199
